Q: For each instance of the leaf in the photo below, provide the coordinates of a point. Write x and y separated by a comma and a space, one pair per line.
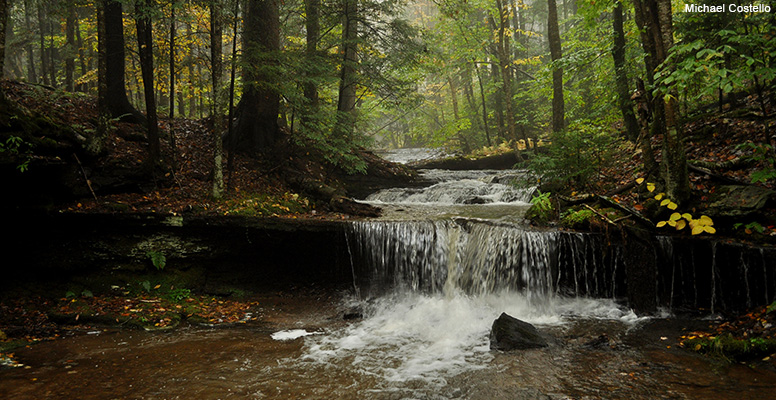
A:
651, 187
697, 230
672, 223
661, 224
672, 205
704, 220
659, 196
675, 216
665, 202
687, 216
710, 229
681, 224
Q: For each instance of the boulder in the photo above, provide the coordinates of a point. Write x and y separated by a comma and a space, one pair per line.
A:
509, 333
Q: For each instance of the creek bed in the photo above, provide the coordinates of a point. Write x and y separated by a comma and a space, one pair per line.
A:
592, 356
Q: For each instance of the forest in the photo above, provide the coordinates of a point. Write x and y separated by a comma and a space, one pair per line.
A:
595, 78
639, 127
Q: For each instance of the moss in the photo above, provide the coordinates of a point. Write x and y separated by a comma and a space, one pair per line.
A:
728, 346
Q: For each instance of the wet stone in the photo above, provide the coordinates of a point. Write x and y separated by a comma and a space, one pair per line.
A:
509, 333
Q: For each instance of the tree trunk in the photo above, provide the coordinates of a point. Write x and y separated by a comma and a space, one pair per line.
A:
312, 9
621, 76
484, 109
674, 157
346, 102
257, 112
171, 129
42, 30
3, 22
655, 19
504, 56
70, 48
216, 37
115, 99
553, 35
81, 56
145, 48
32, 76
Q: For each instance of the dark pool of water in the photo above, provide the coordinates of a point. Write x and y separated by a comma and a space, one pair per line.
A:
590, 359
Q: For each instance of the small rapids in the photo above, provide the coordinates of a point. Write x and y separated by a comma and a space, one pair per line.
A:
426, 339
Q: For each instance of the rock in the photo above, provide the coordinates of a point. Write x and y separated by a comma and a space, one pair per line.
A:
739, 200
509, 333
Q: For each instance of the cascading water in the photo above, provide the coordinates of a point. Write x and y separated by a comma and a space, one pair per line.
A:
444, 262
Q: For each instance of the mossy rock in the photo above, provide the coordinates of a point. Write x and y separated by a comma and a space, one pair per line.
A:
731, 347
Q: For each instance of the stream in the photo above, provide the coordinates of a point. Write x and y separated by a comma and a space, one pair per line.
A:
430, 276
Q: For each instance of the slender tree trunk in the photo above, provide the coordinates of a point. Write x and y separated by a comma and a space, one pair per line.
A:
70, 49
674, 157
229, 119
43, 29
81, 56
484, 107
145, 49
216, 38
346, 102
655, 19
171, 129
553, 34
504, 56
312, 9
621, 76
32, 75
3, 23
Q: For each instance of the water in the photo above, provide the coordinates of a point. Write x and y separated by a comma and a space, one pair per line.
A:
431, 275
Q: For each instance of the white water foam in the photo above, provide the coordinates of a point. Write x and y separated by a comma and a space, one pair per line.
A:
292, 334
412, 337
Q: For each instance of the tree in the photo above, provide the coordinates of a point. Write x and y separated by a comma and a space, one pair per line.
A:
216, 37
312, 25
621, 75
655, 18
114, 97
346, 101
3, 21
145, 49
553, 35
259, 106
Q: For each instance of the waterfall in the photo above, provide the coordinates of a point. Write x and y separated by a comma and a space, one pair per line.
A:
483, 257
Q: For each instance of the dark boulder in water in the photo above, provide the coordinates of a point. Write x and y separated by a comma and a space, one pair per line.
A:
509, 333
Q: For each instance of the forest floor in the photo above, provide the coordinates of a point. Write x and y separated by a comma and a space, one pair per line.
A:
261, 187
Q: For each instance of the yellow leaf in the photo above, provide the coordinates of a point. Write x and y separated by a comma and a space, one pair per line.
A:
697, 230
675, 216
671, 205
706, 220
651, 187
665, 202
687, 216
697, 347
157, 286
659, 196
710, 229
639, 180
680, 224
661, 224
672, 223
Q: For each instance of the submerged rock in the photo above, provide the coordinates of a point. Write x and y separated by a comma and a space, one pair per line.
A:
509, 333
